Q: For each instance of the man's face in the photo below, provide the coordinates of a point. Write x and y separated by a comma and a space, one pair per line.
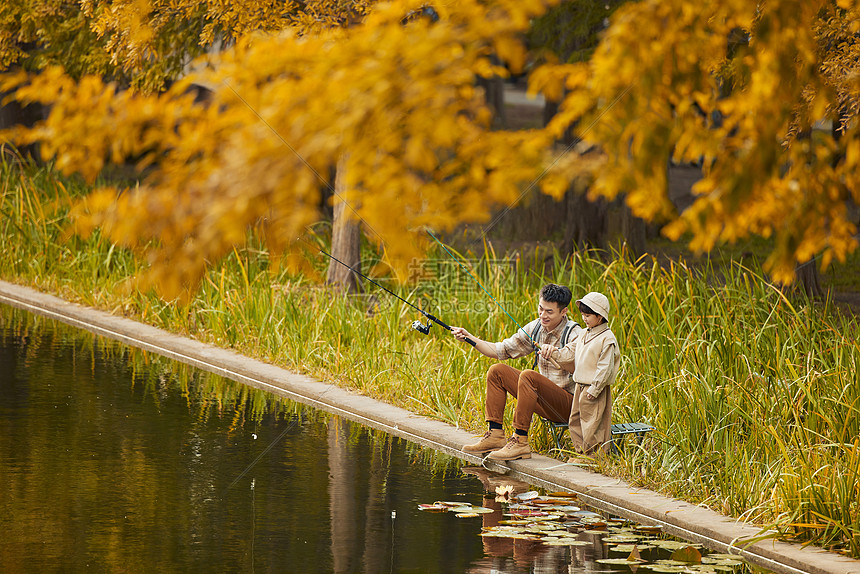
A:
550, 314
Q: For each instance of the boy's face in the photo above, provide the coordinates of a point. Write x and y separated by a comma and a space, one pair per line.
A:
591, 321
550, 314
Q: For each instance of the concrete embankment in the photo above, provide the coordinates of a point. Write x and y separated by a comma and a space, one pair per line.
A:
676, 517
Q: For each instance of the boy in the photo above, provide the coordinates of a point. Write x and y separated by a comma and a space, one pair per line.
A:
594, 359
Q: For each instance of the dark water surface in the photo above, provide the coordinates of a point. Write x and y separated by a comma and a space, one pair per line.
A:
115, 460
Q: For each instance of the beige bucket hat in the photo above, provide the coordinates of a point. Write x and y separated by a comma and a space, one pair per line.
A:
597, 302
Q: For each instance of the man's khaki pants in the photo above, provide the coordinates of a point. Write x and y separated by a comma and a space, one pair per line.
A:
534, 393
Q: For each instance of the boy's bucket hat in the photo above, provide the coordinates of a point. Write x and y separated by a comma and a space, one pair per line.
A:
597, 302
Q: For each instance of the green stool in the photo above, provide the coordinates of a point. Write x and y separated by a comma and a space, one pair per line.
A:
617, 430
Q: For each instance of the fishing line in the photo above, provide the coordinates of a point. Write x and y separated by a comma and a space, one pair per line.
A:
473, 276
262, 454
417, 325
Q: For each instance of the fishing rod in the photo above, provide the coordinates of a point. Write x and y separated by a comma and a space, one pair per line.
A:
481, 285
417, 325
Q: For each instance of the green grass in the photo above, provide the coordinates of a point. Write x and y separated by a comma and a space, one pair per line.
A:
755, 395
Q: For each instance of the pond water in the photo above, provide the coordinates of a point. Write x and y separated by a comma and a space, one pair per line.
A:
116, 460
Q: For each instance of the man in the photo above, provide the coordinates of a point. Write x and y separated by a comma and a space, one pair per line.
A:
547, 392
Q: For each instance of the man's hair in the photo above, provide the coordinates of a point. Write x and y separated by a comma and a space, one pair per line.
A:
552, 293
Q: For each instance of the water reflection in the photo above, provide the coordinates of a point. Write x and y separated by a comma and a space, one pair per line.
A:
115, 460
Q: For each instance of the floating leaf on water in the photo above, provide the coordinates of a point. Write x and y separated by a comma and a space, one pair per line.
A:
629, 547
532, 494
568, 542
688, 554
525, 512
433, 507
564, 508
618, 561
513, 521
664, 568
546, 517
525, 537
650, 529
718, 556
621, 539
482, 510
540, 527
733, 562
705, 568
467, 515
634, 555
448, 503
562, 494
673, 544
671, 563
594, 532
460, 509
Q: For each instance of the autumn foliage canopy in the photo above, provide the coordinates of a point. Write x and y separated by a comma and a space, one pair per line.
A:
390, 91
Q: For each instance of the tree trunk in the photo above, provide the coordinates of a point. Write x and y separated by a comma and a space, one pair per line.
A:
809, 279
494, 95
14, 114
345, 240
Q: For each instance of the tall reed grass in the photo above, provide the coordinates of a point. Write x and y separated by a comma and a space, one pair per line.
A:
755, 395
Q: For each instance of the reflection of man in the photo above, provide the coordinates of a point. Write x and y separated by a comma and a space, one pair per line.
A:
547, 392
523, 551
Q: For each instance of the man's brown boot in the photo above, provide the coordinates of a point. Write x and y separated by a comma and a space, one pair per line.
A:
492, 439
516, 447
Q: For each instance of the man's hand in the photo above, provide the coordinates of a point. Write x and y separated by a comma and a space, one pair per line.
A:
546, 350
461, 334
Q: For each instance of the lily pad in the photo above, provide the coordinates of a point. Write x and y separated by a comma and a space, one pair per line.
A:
566, 542
733, 562
673, 544
467, 515
546, 518
513, 522
449, 503
532, 494
433, 507
665, 568
618, 561
628, 548
621, 539
719, 556
688, 555
482, 510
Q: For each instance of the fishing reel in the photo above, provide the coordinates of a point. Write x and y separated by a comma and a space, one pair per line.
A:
421, 327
